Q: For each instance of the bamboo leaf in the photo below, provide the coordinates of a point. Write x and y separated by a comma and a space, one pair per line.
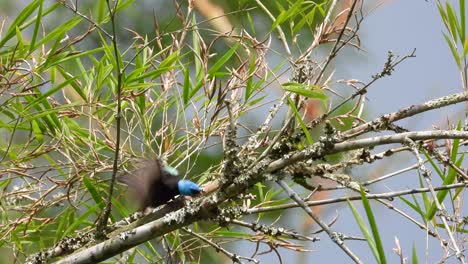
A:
220, 63
375, 232
59, 31
301, 122
18, 22
364, 230
312, 91
454, 51
414, 256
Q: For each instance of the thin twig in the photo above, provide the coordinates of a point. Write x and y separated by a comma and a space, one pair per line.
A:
74, 9
387, 195
235, 258
332, 234
102, 223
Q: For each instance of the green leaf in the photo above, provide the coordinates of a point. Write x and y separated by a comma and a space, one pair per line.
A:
414, 256
49, 92
20, 45
454, 28
433, 164
221, 61
73, 84
414, 206
81, 220
465, 47
453, 49
312, 91
95, 193
249, 86
309, 19
59, 31
58, 60
462, 21
37, 131
187, 85
166, 65
18, 22
373, 224
364, 230
63, 221
301, 122
36, 28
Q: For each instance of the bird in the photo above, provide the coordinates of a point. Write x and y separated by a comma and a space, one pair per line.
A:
153, 184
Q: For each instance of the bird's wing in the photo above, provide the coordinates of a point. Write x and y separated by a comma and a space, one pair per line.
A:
140, 181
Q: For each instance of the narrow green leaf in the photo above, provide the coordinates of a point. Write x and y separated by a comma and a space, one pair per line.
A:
55, 60
453, 49
63, 221
443, 15
251, 24
20, 44
18, 22
301, 122
196, 51
44, 114
455, 145
49, 92
166, 65
221, 61
74, 85
375, 232
454, 29
81, 220
37, 131
453, 228
312, 91
309, 19
36, 28
59, 31
213, 71
465, 47
279, 20
260, 187
256, 100
463, 21
364, 230
95, 193
249, 86
187, 85
414, 206
414, 256
433, 164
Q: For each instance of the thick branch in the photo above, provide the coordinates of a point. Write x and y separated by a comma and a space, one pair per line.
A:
318, 149
380, 122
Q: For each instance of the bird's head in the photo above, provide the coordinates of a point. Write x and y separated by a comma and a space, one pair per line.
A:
188, 188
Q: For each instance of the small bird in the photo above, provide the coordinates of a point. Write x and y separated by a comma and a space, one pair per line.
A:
154, 184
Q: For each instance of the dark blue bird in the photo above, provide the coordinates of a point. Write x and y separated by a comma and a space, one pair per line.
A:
154, 184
